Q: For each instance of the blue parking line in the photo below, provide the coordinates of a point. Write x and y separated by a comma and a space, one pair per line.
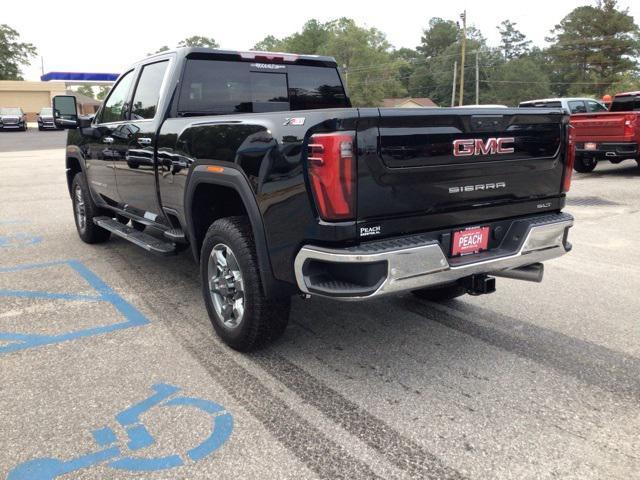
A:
19, 240
20, 341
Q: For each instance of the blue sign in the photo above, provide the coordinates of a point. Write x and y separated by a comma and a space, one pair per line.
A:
104, 293
119, 455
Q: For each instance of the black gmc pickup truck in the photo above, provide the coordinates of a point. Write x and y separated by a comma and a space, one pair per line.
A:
259, 164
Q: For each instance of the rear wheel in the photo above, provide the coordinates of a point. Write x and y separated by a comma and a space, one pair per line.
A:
584, 164
85, 210
240, 312
440, 294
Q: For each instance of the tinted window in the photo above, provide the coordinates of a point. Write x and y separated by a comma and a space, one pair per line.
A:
218, 87
593, 106
577, 106
315, 87
552, 104
145, 100
114, 106
625, 103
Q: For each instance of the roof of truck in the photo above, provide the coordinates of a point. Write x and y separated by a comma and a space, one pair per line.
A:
275, 57
626, 94
559, 99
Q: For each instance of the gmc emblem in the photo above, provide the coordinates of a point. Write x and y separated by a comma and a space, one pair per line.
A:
476, 146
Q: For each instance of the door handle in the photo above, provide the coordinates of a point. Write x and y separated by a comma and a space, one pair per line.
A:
144, 140
107, 140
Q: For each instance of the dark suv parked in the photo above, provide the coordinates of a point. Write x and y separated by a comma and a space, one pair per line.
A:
45, 119
13, 119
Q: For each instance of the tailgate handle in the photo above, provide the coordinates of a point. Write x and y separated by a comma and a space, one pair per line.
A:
487, 122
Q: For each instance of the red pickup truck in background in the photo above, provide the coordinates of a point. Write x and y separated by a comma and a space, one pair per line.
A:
612, 135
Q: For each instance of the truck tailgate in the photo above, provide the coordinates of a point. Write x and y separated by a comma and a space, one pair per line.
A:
595, 126
427, 162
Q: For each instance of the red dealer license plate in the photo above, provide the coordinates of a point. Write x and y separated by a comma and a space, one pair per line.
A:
470, 240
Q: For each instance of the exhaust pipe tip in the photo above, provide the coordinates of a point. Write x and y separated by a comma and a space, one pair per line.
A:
528, 273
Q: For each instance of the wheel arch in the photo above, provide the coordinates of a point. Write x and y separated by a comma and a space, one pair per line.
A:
74, 165
202, 209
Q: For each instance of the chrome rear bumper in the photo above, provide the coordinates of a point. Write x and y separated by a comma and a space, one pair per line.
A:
396, 265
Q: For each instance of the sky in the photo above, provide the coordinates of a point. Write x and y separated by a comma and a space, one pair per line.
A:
108, 35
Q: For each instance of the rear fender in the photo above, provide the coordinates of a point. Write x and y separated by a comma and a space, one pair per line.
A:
229, 176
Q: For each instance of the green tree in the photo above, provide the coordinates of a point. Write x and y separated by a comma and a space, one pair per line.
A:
86, 90
592, 48
438, 36
103, 91
13, 53
163, 48
199, 41
309, 40
368, 62
433, 76
408, 60
268, 44
513, 42
365, 54
515, 81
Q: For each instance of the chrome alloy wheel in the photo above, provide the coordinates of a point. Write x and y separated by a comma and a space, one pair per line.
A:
79, 206
226, 285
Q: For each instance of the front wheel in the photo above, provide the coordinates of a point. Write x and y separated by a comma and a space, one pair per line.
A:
241, 314
85, 210
585, 164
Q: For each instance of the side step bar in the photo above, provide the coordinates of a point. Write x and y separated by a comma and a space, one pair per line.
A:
141, 239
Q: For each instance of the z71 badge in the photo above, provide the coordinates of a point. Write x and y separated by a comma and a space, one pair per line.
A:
294, 121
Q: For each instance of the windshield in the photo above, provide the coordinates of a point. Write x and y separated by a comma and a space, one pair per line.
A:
46, 111
10, 111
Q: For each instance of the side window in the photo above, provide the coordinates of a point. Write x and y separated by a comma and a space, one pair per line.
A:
113, 108
577, 106
593, 107
145, 100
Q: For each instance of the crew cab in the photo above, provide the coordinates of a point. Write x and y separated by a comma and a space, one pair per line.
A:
258, 163
570, 104
612, 135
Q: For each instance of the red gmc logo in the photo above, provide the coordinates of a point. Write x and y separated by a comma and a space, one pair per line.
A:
477, 146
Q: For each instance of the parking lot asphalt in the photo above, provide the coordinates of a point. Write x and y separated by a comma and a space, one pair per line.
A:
109, 367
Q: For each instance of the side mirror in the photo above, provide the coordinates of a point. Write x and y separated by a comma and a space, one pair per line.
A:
65, 111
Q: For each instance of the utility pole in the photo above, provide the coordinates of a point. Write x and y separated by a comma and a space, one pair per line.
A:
42, 65
477, 80
453, 87
346, 75
463, 16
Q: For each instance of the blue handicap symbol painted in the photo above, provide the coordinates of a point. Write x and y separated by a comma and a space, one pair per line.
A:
118, 455
19, 240
104, 293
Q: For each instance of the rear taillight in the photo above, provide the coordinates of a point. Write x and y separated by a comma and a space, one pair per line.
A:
332, 172
629, 125
570, 157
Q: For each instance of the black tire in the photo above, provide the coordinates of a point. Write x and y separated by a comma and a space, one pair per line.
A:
263, 319
440, 294
584, 165
88, 231
40, 128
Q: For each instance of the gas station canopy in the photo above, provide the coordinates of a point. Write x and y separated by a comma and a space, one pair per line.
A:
80, 78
